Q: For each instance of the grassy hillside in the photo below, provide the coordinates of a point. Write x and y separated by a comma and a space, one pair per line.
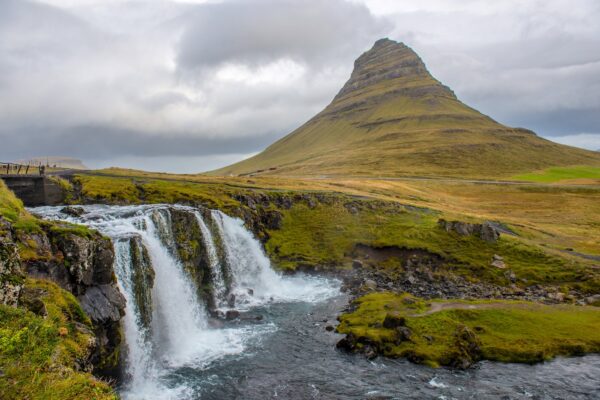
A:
393, 118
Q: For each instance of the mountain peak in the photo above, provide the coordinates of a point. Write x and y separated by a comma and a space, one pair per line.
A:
392, 117
387, 60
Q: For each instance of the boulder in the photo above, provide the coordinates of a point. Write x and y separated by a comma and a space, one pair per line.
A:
404, 333
232, 314
487, 231
370, 284
393, 320
73, 211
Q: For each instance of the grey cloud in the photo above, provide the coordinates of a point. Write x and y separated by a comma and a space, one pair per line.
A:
106, 142
141, 79
255, 32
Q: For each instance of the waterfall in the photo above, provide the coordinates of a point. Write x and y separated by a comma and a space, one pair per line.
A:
166, 322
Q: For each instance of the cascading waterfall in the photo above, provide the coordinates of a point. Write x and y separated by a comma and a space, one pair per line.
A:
166, 322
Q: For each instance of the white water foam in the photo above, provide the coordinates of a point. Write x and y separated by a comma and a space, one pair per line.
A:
179, 334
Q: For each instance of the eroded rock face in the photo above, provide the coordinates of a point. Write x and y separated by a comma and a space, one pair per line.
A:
83, 265
11, 274
486, 231
189, 243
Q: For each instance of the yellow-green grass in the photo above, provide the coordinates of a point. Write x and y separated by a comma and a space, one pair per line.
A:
327, 234
406, 125
548, 219
558, 174
506, 331
38, 355
12, 209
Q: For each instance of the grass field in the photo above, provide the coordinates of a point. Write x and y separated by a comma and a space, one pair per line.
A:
578, 174
446, 332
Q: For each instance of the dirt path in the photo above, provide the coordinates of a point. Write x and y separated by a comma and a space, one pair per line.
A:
437, 307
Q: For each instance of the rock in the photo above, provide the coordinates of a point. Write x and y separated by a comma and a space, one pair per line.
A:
329, 328
251, 292
103, 303
357, 264
496, 257
73, 211
232, 314
593, 300
404, 333
486, 231
393, 320
31, 299
370, 284
468, 348
272, 219
498, 264
11, 272
489, 232
231, 300
369, 352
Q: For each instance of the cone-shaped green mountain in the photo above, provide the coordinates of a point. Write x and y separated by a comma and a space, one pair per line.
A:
393, 118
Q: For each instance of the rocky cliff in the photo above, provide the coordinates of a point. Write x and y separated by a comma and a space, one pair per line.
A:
79, 261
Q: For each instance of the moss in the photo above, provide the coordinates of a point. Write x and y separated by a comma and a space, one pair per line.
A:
61, 228
506, 331
39, 356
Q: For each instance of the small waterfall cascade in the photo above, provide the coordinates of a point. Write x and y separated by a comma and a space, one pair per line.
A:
177, 266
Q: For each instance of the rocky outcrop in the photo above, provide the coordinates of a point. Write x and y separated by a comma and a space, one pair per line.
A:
11, 275
143, 280
82, 263
486, 231
189, 243
388, 60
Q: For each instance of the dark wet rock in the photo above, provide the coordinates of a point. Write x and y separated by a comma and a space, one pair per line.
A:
231, 300
142, 279
232, 314
188, 241
370, 352
251, 292
357, 264
329, 328
103, 303
73, 211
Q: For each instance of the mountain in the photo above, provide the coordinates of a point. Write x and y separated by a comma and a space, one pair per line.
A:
61, 162
394, 118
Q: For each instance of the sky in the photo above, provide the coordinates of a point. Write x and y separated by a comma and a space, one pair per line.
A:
189, 86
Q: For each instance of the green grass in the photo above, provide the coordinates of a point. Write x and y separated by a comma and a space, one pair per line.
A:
141, 189
557, 174
327, 234
505, 331
38, 362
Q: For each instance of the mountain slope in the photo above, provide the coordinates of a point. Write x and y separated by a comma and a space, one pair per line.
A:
393, 118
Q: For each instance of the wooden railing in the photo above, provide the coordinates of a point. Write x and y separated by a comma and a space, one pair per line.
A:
21, 169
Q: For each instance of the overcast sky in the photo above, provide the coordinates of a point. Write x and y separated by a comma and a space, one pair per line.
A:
187, 86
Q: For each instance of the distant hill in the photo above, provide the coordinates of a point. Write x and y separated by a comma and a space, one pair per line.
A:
393, 118
61, 162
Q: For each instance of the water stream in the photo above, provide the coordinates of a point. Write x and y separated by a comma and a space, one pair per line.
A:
278, 348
